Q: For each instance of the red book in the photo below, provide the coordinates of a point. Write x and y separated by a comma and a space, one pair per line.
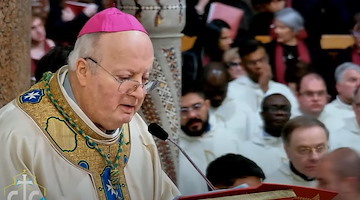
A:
75, 6
230, 14
266, 191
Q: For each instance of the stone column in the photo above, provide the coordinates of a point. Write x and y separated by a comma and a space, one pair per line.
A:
164, 20
14, 48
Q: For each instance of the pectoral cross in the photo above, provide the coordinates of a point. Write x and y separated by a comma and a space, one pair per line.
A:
24, 182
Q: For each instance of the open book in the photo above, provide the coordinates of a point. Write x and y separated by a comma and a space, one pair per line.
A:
265, 191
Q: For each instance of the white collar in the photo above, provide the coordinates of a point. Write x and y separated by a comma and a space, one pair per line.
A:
341, 104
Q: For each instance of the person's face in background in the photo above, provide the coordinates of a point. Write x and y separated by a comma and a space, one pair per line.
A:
312, 96
305, 147
347, 85
284, 34
37, 32
276, 113
225, 39
275, 5
255, 62
235, 69
194, 114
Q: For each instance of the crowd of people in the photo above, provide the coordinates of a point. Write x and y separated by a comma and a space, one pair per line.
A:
293, 108
249, 112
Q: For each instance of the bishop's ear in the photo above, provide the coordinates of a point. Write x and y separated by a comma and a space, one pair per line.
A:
82, 70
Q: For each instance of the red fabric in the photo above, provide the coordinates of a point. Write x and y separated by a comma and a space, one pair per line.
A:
206, 60
47, 46
301, 34
303, 55
355, 56
288, 3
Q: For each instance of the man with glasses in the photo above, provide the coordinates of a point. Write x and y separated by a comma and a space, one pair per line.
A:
202, 142
266, 146
305, 142
312, 96
76, 133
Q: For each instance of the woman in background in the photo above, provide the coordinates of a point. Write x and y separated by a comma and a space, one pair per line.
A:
215, 40
40, 45
288, 48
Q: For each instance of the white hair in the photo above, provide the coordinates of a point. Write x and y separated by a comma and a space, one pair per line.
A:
85, 46
290, 18
341, 69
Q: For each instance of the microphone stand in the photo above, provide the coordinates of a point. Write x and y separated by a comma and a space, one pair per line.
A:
193, 164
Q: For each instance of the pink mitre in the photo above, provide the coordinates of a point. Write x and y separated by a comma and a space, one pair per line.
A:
111, 20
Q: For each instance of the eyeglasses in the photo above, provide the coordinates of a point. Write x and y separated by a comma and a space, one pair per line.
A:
308, 150
233, 64
195, 107
274, 109
313, 94
127, 85
262, 60
273, 26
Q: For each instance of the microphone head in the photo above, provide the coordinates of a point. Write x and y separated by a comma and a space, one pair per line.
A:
157, 131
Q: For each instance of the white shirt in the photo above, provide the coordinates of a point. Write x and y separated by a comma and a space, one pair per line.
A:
237, 119
284, 175
336, 112
347, 136
202, 150
266, 151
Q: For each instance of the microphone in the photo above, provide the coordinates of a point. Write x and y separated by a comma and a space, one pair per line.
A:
160, 133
